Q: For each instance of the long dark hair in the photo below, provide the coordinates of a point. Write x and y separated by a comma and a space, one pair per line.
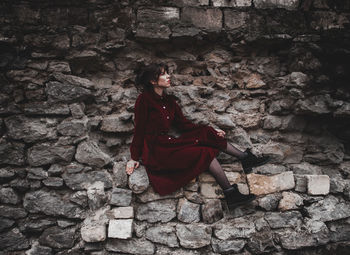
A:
145, 74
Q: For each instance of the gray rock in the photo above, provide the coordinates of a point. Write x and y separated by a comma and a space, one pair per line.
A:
226, 3
153, 31
300, 183
117, 123
30, 129
162, 210
289, 5
37, 249
227, 246
94, 227
194, 197
313, 105
235, 228
121, 229
55, 169
120, 176
73, 127
270, 169
11, 153
290, 201
82, 180
209, 19
5, 223
6, 174
66, 93
77, 110
50, 204
96, 195
88, 152
329, 209
262, 242
150, 195
318, 230
12, 212
212, 211
286, 219
56, 237
138, 180
339, 230
305, 168
188, 212
46, 108
54, 182
121, 197
80, 198
293, 240
157, 13
9, 196
133, 246
36, 173
194, 236
270, 201
73, 80
49, 153
13, 240
163, 235
34, 224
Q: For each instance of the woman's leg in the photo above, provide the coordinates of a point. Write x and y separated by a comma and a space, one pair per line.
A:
216, 170
233, 151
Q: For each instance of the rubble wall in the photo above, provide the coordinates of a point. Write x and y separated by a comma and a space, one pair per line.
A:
273, 74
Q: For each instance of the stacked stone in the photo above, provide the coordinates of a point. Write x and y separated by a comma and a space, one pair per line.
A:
272, 75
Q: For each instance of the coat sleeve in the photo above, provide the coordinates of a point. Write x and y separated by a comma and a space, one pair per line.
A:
181, 122
140, 119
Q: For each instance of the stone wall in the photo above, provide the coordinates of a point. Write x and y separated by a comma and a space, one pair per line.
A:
274, 74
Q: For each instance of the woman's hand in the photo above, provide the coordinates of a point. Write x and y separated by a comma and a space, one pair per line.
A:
220, 132
131, 165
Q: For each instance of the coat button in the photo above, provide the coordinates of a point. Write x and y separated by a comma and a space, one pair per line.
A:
169, 138
196, 140
167, 117
164, 107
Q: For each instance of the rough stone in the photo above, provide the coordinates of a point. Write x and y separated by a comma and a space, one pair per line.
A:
212, 211
13, 240
163, 235
290, 201
121, 229
122, 212
329, 209
121, 197
318, 184
227, 246
88, 152
284, 219
260, 184
94, 226
81, 181
51, 204
9, 196
203, 18
235, 228
132, 246
270, 201
138, 181
96, 195
162, 210
188, 212
57, 237
49, 153
194, 236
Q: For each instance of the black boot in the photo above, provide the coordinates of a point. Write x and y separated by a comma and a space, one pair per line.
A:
251, 161
235, 198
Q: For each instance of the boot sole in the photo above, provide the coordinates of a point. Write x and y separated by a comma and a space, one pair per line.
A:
232, 206
250, 169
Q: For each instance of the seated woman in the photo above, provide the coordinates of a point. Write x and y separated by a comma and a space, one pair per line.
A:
172, 162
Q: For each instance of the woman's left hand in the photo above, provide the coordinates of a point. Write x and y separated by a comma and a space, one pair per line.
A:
220, 132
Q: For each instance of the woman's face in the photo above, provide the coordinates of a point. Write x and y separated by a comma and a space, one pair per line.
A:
163, 80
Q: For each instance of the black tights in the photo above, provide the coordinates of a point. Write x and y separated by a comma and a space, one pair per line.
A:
216, 170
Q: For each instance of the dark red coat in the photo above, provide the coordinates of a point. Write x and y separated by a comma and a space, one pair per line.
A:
171, 162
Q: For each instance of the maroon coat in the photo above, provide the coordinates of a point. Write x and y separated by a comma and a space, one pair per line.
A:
171, 162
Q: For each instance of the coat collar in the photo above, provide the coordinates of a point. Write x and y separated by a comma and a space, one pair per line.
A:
156, 96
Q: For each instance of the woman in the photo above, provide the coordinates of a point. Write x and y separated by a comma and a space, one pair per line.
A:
172, 162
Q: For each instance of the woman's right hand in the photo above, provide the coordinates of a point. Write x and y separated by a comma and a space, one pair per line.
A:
131, 165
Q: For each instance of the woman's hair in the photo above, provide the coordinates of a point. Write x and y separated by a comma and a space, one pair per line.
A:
148, 73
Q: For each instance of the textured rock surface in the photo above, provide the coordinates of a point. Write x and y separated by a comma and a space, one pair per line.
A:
273, 74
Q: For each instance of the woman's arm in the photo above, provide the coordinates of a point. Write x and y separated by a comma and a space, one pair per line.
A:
140, 118
181, 122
